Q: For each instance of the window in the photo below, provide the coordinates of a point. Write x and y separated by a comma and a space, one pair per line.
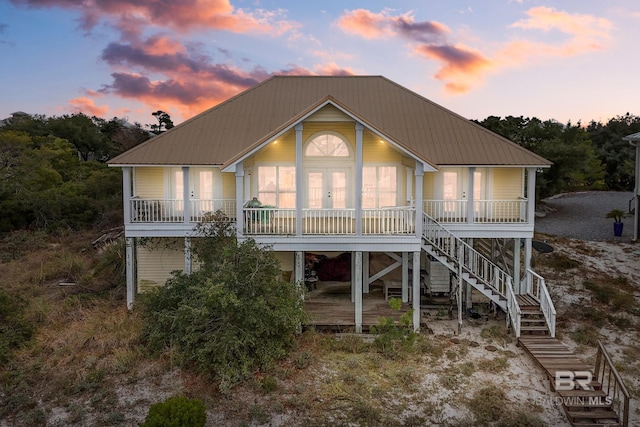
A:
379, 186
327, 145
277, 186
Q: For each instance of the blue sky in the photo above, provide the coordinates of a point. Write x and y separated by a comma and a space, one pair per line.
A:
562, 59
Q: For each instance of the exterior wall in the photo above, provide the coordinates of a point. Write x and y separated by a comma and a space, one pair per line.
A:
428, 186
281, 151
228, 186
149, 183
507, 183
156, 261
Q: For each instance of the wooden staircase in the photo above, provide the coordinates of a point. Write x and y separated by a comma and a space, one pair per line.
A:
532, 321
492, 281
588, 399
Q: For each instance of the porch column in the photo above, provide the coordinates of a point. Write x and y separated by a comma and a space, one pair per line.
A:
358, 290
419, 174
470, 201
516, 266
186, 195
239, 199
298, 267
527, 261
130, 266
126, 194
299, 179
365, 273
416, 290
358, 180
531, 195
405, 277
187, 255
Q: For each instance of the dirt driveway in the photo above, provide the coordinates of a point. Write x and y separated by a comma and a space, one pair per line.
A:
582, 215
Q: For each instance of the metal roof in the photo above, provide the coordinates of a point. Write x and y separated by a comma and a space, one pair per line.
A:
230, 130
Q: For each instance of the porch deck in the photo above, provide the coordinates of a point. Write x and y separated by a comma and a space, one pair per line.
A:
329, 307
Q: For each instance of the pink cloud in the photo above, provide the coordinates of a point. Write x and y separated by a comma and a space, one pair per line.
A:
463, 68
87, 106
371, 25
184, 15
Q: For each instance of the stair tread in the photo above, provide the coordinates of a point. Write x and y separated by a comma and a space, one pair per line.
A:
581, 393
599, 414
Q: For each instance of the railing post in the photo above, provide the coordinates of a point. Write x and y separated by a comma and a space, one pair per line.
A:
419, 175
126, 194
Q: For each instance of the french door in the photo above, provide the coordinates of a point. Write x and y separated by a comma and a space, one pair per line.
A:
327, 188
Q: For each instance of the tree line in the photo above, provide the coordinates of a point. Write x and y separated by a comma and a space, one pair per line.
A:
53, 173
592, 157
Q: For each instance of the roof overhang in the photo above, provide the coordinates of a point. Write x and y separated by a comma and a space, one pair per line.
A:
230, 166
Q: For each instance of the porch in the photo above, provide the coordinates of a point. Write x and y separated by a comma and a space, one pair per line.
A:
329, 307
270, 220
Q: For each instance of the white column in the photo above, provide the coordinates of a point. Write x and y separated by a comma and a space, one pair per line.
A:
298, 267
516, 266
365, 272
130, 266
470, 201
239, 199
186, 195
187, 255
416, 291
531, 195
419, 174
126, 194
405, 277
358, 179
299, 179
528, 253
358, 288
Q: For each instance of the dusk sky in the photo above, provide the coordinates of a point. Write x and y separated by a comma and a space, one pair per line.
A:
566, 60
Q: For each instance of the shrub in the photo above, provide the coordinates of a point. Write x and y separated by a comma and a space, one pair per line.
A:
230, 318
487, 404
177, 411
14, 328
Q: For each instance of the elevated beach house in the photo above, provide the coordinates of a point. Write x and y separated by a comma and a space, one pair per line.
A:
350, 165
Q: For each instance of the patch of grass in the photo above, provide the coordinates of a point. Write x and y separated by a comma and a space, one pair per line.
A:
259, 414
586, 335
495, 365
365, 413
496, 333
350, 344
561, 262
487, 404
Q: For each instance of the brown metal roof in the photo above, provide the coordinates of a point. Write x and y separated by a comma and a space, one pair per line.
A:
225, 132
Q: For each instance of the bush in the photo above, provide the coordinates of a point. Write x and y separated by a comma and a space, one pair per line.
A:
230, 318
14, 328
176, 411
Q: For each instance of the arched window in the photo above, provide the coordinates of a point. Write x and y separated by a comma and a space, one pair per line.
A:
327, 144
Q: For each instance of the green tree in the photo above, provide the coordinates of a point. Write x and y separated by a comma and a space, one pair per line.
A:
233, 316
616, 155
164, 122
575, 164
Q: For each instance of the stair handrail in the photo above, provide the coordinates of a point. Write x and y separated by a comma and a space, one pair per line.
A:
604, 370
473, 262
536, 287
514, 313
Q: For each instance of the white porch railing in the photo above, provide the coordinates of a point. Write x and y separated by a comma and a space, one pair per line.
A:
276, 221
172, 210
484, 211
535, 286
514, 313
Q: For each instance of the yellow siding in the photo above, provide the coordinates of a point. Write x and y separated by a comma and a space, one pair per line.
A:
281, 150
347, 129
375, 151
428, 186
507, 183
329, 113
156, 262
149, 183
228, 186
